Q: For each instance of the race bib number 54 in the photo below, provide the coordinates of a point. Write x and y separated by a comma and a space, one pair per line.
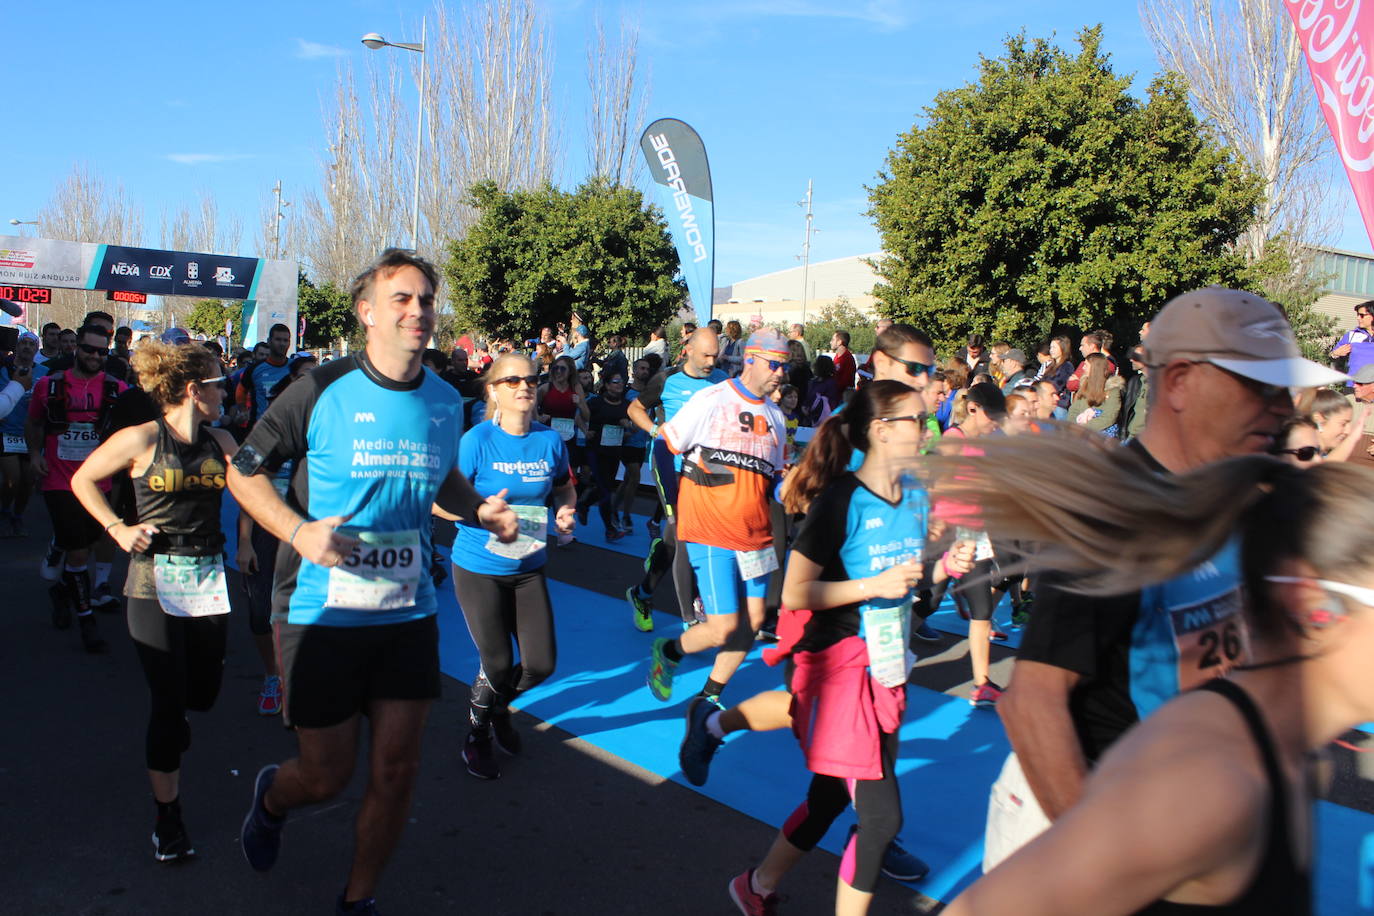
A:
381, 574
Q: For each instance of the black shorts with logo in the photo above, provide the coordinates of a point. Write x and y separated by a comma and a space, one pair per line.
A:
72, 526
329, 674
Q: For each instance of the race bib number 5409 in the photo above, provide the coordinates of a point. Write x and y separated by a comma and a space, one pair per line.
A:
381, 574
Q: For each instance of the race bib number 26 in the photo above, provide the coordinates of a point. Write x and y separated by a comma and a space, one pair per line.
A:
1210, 638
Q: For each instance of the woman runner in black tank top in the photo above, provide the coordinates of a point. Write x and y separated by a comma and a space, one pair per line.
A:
1202, 807
177, 604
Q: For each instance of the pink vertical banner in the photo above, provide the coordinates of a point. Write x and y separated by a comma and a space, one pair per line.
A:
1337, 36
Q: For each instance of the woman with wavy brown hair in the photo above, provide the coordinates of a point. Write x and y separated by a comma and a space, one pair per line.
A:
1205, 805
176, 587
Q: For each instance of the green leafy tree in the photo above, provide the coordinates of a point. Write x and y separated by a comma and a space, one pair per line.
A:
1044, 195
207, 316
328, 313
534, 256
840, 315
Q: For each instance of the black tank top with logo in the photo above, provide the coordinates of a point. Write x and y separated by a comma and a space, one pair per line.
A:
1280, 885
180, 494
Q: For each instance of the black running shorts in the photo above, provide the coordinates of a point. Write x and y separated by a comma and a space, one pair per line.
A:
72, 526
329, 674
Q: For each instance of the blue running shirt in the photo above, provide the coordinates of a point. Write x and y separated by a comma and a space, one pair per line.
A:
671, 389
366, 446
531, 467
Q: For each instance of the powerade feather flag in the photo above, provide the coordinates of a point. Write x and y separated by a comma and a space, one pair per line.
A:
677, 162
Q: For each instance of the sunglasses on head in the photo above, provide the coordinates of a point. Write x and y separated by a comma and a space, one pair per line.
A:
94, 351
1305, 453
513, 381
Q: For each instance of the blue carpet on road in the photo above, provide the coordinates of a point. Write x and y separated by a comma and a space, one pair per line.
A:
950, 752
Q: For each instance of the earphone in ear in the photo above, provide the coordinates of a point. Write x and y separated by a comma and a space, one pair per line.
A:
368, 320
1325, 614
749, 361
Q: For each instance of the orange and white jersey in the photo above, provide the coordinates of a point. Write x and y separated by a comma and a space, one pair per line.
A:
732, 443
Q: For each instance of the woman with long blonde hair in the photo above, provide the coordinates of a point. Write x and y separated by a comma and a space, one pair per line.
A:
1205, 805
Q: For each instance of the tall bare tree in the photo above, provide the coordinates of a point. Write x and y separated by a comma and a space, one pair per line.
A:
1245, 70
87, 208
617, 103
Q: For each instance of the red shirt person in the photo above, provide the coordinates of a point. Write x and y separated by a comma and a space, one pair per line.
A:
845, 367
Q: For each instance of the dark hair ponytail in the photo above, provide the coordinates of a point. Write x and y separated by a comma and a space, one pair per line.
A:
828, 455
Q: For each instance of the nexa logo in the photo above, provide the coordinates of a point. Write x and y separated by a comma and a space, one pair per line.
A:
364, 417
160, 272
124, 269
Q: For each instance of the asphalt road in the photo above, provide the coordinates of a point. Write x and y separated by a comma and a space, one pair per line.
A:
567, 830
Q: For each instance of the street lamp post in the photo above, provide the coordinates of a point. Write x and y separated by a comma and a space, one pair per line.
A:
22, 223
375, 41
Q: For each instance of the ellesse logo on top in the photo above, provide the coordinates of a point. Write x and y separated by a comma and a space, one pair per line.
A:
175, 480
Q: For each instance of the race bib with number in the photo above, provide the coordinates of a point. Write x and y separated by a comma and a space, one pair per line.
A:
612, 436
533, 537
190, 586
982, 544
755, 563
77, 443
564, 427
1210, 638
381, 574
887, 631
16, 444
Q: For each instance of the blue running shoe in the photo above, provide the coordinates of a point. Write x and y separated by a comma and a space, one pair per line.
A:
698, 744
900, 865
926, 633
261, 834
365, 907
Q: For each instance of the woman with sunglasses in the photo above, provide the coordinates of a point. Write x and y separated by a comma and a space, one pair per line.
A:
501, 587
856, 564
609, 425
1298, 443
175, 586
1205, 806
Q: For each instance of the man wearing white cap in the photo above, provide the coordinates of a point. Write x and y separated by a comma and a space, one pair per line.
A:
731, 436
1220, 364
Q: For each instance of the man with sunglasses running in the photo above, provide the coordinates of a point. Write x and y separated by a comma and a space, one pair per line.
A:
1219, 364
731, 437
68, 414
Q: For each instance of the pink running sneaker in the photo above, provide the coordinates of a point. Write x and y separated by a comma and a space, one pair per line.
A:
269, 700
750, 901
985, 695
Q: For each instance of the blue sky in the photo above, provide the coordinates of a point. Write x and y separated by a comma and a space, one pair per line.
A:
170, 99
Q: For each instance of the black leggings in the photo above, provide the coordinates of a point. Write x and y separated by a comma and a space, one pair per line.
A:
183, 663
878, 804
605, 462
973, 591
496, 609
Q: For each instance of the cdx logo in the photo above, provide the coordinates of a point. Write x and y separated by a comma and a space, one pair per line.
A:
160, 272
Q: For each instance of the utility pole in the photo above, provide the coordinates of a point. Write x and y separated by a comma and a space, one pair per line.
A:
806, 247
276, 223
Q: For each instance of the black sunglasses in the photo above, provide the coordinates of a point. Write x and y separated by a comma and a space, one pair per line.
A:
915, 418
911, 366
94, 351
1306, 453
513, 381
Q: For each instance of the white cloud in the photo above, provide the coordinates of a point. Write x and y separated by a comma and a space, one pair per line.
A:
204, 158
313, 50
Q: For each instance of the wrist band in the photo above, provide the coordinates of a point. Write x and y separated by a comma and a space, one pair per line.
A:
944, 564
112, 524
291, 541
863, 586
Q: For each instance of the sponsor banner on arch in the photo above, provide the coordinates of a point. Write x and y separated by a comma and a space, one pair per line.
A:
174, 273
678, 165
1337, 38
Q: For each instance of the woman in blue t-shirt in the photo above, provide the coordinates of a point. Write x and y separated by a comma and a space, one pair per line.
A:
501, 587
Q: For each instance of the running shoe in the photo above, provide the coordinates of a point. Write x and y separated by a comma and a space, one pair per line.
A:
698, 744
749, 901
926, 633
51, 566
626, 523
767, 633
365, 907
170, 842
614, 534
654, 528
985, 695
103, 600
995, 634
661, 669
643, 612
503, 730
61, 606
901, 865
269, 698
1021, 610
90, 636
261, 833
478, 758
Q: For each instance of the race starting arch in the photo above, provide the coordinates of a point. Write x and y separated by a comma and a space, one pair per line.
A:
267, 287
